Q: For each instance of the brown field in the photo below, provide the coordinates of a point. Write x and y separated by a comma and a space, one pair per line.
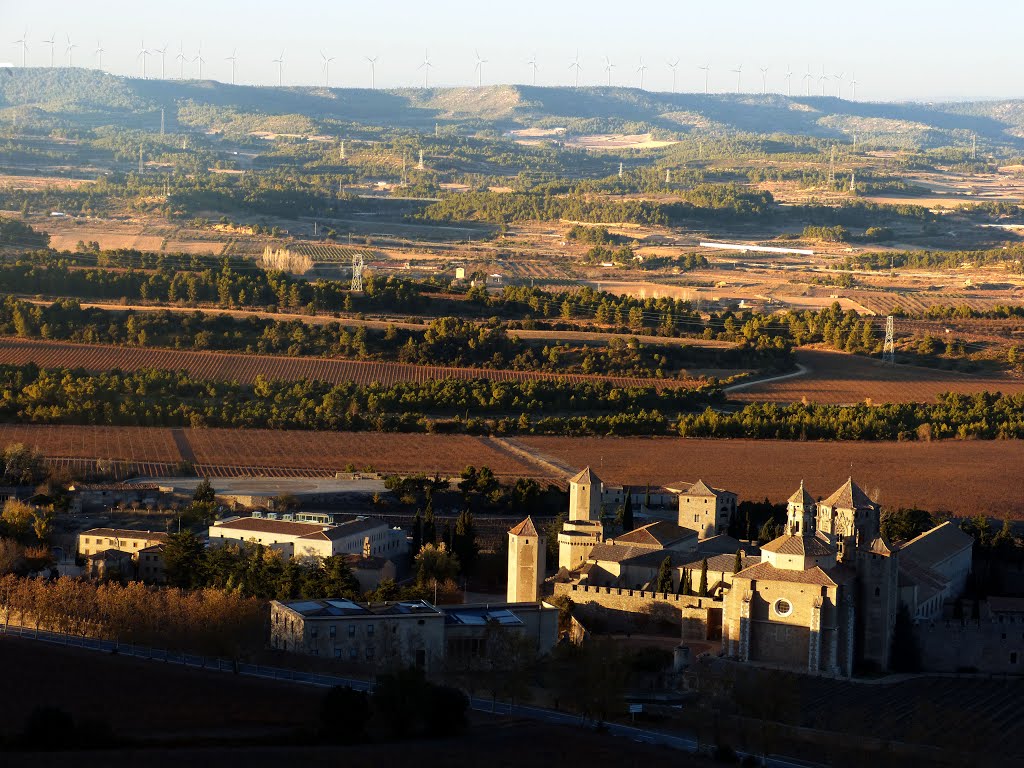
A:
837, 378
618, 141
966, 478
245, 368
231, 452
962, 477
13, 181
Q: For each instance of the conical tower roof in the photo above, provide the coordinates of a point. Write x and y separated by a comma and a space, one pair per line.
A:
586, 475
849, 496
802, 497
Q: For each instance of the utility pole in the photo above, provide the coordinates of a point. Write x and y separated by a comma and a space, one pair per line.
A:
342, 149
140, 159
420, 166
620, 169
974, 146
889, 349
161, 121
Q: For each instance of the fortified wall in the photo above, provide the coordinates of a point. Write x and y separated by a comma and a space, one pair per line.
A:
700, 618
969, 645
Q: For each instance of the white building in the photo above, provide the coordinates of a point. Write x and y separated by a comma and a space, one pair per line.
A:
297, 539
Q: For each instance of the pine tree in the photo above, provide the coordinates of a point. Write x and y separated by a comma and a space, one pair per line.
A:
703, 578
446, 535
767, 532
464, 541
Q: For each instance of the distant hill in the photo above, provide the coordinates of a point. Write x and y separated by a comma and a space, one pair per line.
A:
95, 98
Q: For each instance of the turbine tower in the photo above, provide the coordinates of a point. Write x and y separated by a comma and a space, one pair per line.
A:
707, 74
821, 80
70, 49
51, 42
532, 64
163, 61
373, 70
641, 70
789, 81
280, 68
853, 85
327, 67
839, 84
99, 55
23, 42
199, 58
181, 61
233, 58
807, 81
141, 56
576, 65
608, 67
673, 64
479, 69
425, 66
739, 76
764, 81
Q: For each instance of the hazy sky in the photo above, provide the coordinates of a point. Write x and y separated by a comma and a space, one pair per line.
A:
898, 49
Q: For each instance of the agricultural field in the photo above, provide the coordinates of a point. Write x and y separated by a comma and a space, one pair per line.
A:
329, 253
837, 378
245, 368
152, 451
961, 477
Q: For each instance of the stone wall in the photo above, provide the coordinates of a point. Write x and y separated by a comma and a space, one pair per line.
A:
634, 608
972, 645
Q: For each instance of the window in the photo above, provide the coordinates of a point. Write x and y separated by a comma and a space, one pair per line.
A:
783, 607
353, 654
337, 653
314, 631
369, 629
369, 652
1013, 657
351, 630
877, 592
334, 630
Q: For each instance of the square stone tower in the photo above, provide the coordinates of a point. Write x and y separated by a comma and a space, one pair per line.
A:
583, 530
527, 550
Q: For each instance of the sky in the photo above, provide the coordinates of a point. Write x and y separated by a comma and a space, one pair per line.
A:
896, 50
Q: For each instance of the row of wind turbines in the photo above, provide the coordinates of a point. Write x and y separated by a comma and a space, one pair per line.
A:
575, 66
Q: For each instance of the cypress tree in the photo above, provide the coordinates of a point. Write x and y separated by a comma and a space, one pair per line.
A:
737, 565
464, 541
627, 513
417, 533
665, 575
429, 528
704, 578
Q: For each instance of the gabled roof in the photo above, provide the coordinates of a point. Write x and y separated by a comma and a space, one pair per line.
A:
585, 476
768, 572
618, 553
125, 533
723, 544
525, 528
267, 525
343, 531
808, 546
939, 544
802, 497
700, 488
723, 563
659, 534
849, 496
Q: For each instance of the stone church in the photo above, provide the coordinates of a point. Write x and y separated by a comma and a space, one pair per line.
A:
820, 598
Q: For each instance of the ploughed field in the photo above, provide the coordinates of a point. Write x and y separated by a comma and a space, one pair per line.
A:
226, 366
837, 378
963, 477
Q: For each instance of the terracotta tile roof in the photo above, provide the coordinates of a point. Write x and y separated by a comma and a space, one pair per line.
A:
928, 582
849, 496
343, 531
617, 553
809, 546
723, 544
700, 488
723, 563
659, 534
525, 528
802, 497
767, 572
125, 533
938, 544
586, 475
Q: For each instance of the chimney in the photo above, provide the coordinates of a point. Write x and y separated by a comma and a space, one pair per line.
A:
367, 550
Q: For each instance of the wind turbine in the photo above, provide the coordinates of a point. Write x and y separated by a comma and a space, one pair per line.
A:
163, 61
707, 74
789, 81
479, 68
853, 84
182, 58
99, 55
739, 75
576, 65
24, 47
608, 67
764, 80
673, 64
807, 80
821, 80
532, 64
425, 66
280, 68
839, 84
51, 42
373, 70
142, 54
327, 67
642, 69
233, 58
199, 58
70, 49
